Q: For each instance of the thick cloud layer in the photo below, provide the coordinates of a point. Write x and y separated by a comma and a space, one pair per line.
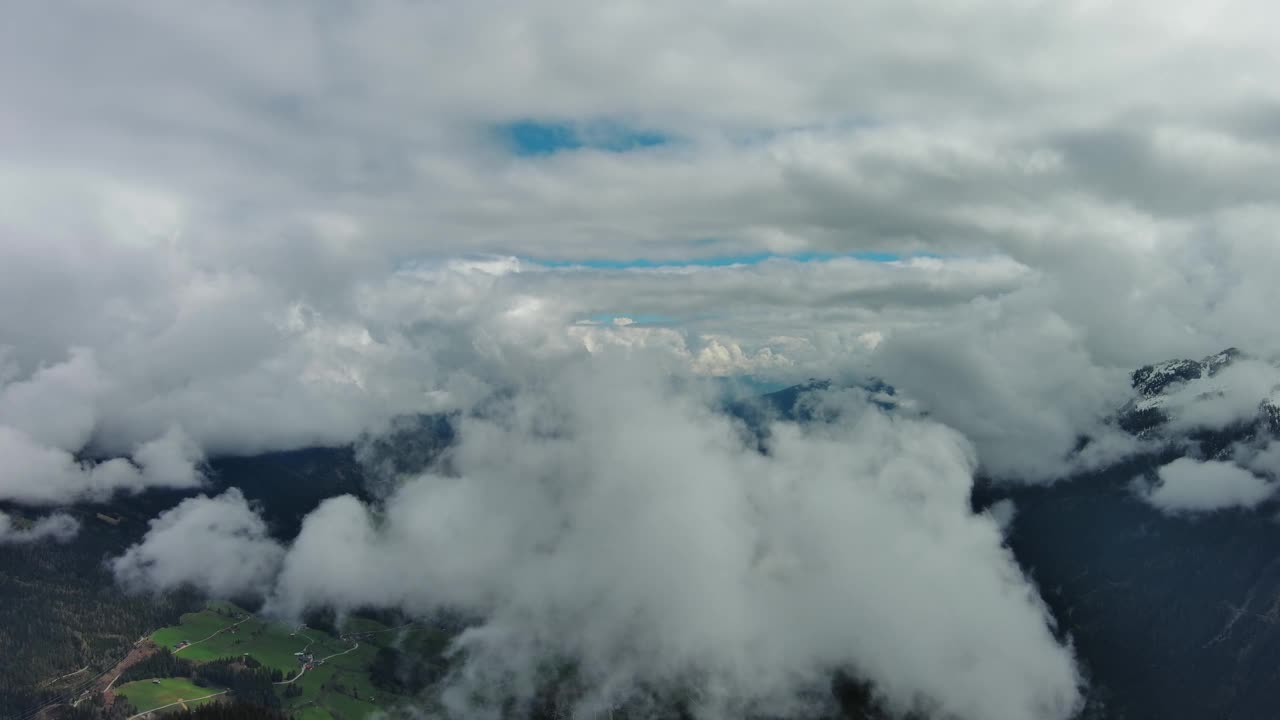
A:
1188, 485
246, 227
608, 522
38, 474
277, 226
47, 421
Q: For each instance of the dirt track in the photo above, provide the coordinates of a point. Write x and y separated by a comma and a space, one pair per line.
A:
140, 652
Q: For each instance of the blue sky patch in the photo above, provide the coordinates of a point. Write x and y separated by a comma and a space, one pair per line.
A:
533, 138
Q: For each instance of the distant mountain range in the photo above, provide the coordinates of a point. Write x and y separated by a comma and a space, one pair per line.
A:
1154, 385
1171, 617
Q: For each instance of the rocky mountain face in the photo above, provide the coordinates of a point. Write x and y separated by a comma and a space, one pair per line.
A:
1152, 380
1172, 616
1157, 389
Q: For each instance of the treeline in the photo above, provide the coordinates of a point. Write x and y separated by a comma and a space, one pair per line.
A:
248, 684
246, 678
163, 664
228, 711
234, 710
60, 611
60, 608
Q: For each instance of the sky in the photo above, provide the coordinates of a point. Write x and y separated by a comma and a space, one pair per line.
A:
245, 227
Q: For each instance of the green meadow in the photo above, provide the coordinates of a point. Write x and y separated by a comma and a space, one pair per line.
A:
151, 694
339, 688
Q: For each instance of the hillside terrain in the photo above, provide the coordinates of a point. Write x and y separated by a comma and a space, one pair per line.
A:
305, 671
60, 610
1170, 615
1173, 616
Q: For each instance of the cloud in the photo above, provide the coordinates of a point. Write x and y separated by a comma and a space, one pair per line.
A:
183, 232
613, 524
55, 406
1018, 380
40, 475
1264, 461
252, 227
1231, 396
58, 527
1187, 485
217, 545
50, 419
1004, 512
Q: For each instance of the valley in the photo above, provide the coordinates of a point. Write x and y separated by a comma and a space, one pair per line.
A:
313, 672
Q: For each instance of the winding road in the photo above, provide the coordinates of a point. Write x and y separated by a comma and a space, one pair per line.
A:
245, 619
303, 671
64, 677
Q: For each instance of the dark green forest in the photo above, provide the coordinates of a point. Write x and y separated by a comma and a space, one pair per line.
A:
60, 608
60, 611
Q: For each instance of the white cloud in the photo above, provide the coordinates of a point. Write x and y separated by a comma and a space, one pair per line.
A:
1231, 396
1265, 461
223, 275
252, 227
610, 522
37, 474
1019, 380
55, 406
58, 527
1189, 485
217, 545
1003, 512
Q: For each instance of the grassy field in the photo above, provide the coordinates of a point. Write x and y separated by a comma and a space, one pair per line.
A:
224, 630
337, 689
193, 628
148, 695
340, 689
272, 644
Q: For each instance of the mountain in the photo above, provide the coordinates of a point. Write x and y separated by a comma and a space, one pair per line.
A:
802, 404
1157, 387
59, 607
1171, 616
